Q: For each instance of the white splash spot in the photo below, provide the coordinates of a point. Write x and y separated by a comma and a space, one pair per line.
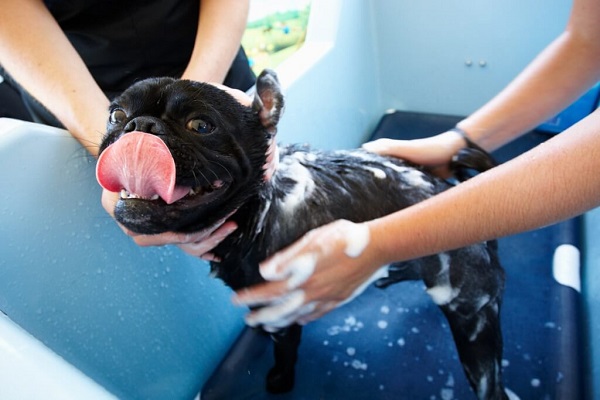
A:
450, 380
382, 324
535, 382
566, 266
357, 364
414, 329
483, 387
377, 173
304, 156
447, 394
384, 310
482, 301
401, 342
511, 395
305, 185
412, 176
351, 351
443, 294
357, 240
301, 269
350, 324
481, 322
505, 363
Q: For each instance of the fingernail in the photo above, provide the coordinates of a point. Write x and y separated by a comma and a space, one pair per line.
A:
231, 229
209, 257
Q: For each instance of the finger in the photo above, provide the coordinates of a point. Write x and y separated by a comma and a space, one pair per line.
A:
287, 320
297, 271
260, 294
210, 257
206, 244
237, 94
383, 146
412, 150
282, 264
109, 201
160, 239
183, 238
278, 314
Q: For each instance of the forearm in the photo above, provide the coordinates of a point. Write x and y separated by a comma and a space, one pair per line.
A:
558, 76
550, 183
35, 51
220, 29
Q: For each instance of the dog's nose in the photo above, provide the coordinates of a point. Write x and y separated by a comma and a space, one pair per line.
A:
144, 124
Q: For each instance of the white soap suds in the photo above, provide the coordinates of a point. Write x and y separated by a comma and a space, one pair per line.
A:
301, 268
357, 240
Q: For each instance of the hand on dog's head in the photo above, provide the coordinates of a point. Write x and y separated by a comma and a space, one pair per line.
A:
184, 154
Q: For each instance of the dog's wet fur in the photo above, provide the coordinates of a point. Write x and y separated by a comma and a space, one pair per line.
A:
310, 188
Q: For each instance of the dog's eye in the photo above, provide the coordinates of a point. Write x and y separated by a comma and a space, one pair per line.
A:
117, 116
200, 125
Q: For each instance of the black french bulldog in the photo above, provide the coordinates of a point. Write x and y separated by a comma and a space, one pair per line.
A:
213, 150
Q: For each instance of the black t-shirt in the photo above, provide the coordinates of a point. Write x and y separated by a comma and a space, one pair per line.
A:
122, 41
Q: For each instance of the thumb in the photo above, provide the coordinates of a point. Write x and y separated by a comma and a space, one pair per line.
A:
416, 151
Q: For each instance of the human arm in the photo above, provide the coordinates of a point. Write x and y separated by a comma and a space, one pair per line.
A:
554, 79
552, 182
220, 29
36, 52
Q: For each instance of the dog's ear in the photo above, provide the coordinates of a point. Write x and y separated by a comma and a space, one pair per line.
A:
268, 100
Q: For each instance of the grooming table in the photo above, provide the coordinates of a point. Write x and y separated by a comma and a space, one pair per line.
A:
396, 344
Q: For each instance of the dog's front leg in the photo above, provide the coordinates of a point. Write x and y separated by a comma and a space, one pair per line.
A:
286, 342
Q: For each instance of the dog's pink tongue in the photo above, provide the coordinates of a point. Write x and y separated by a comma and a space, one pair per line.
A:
141, 164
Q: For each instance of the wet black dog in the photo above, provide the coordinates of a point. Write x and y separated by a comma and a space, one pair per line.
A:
211, 152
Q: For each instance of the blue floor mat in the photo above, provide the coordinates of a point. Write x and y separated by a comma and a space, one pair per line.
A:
396, 344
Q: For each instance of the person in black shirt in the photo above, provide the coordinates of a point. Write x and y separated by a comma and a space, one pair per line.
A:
68, 58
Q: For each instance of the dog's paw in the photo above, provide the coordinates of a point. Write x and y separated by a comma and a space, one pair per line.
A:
280, 381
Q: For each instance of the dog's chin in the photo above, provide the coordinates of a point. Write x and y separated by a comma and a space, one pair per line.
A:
191, 213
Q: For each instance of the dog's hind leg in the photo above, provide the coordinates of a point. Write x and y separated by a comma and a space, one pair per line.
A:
286, 342
467, 284
479, 344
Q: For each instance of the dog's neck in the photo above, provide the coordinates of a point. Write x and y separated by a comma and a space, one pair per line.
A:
272, 160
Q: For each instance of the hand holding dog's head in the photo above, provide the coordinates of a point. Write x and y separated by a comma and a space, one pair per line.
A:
184, 154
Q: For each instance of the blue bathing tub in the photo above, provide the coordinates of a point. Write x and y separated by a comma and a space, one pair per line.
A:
88, 314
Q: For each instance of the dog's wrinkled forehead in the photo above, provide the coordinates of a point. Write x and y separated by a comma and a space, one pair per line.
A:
177, 98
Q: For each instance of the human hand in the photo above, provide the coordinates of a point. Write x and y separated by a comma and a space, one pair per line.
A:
327, 267
434, 152
237, 94
198, 244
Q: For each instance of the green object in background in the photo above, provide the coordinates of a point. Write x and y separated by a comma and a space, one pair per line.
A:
271, 39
